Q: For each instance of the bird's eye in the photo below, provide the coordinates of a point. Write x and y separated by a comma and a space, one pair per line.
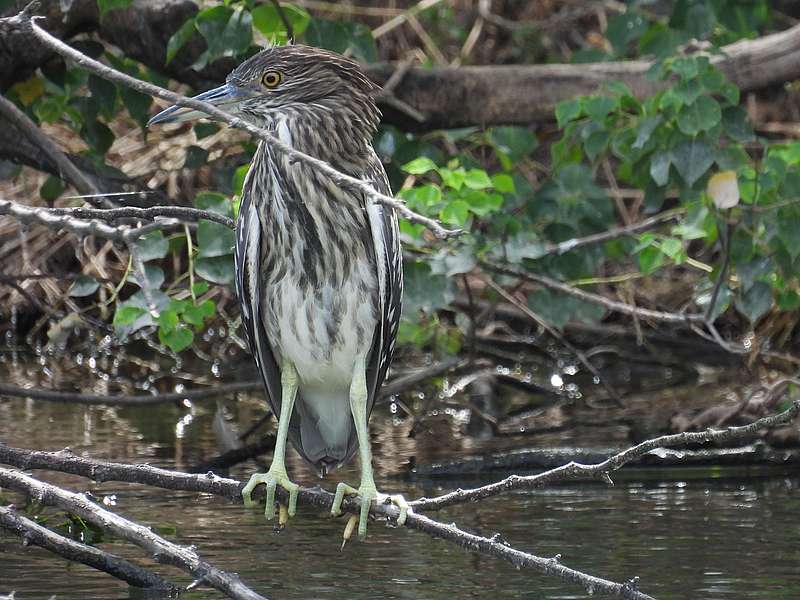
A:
272, 78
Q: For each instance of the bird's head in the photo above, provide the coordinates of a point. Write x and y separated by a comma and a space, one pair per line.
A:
291, 82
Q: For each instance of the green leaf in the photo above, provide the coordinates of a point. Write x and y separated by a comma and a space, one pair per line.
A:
83, 286
104, 92
152, 246
269, 22
477, 179
126, 315
789, 230
237, 181
450, 263
196, 156
107, 5
203, 129
177, 339
659, 168
482, 203
215, 202
217, 269
419, 166
692, 158
455, 213
51, 189
168, 321
98, 136
155, 277
341, 35
422, 197
138, 105
597, 108
568, 110
736, 124
644, 131
514, 142
179, 39
525, 244
650, 259
755, 302
424, 291
200, 288
503, 183
702, 115
197, 314
625, 28
214, 239
227, 32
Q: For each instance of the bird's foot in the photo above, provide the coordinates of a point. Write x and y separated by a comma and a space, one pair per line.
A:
272, 478
366, 493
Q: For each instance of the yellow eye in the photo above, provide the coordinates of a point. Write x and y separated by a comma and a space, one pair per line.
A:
272, 78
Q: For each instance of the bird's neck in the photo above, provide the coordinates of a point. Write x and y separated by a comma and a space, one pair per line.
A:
338, 133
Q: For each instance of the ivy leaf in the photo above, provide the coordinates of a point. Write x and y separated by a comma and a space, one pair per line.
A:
177, 339
477, 179
701, 115
217, 269
152, 246
568, 110
214, 239
127, 315
598, 107
455, 213
83, 286
423, 290
419, 166
659, 168
268, 21
515, 143
154, 275
692, 158
180, 38
755, 302
227, 32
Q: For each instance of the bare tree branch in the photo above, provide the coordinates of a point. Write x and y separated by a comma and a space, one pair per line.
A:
612, 305
33, 533
164, 551
66, 462
601, 470
25, 22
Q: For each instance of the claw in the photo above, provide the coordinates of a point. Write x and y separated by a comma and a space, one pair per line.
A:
271, 479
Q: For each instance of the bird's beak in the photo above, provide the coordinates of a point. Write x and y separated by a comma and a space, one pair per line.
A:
223, 96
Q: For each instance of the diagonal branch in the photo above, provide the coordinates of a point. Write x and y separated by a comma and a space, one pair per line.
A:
25, 22
33, 533
165, 551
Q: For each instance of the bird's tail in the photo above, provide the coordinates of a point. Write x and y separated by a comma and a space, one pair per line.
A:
323, 428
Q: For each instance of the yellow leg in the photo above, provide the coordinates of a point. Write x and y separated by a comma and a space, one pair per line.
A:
277, 470
367, 490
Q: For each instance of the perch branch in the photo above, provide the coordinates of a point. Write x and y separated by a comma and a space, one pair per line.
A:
163, 550
601, 470
25, 22
66, 462
33, 533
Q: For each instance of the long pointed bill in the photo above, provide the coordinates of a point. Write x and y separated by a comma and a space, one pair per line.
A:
223, 95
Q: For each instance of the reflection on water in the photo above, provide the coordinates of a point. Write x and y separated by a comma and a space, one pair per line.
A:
698, 538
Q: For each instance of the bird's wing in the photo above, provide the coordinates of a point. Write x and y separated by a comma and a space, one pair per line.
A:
250, 253
389, 259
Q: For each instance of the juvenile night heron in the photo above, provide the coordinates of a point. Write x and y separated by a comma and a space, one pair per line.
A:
318, 267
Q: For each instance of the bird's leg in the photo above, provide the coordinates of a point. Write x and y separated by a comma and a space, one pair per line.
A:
367, 490
277, 470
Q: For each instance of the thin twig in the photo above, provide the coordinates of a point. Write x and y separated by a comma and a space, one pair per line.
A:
561, 339
66, 462
25, 22
286, 23
131, 212
130, 399
620, 307
33, 533
601, 470
616, 232
163, 550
